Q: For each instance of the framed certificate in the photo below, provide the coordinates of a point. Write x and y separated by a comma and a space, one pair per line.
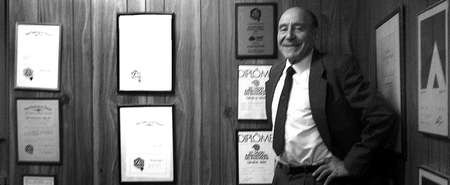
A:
255, 157
429, 177
37, 56
145, 56
256, 30
146, 143
390, 69
433, 70
39, 180
252, 93
38, 131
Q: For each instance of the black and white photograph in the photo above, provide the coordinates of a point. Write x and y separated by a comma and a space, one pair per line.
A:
224, 92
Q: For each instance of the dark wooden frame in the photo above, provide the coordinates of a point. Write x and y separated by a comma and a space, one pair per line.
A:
173, 144
435, 173
446, 37
59, 58
238, 94
60, 129
275, 46
236, 141
401, 36
34, 175
173, 54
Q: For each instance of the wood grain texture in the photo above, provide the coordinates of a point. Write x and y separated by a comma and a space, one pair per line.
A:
154, 5
205, 89
188, 94
4, 99
228, 96
136, 6
210, 33
19, 11
80, 74
105, 125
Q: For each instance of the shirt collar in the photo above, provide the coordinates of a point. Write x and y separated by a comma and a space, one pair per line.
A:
301, 66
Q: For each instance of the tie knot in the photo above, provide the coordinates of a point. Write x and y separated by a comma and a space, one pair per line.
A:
290, 71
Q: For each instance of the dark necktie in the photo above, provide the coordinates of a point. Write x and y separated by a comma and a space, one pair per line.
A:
280, 119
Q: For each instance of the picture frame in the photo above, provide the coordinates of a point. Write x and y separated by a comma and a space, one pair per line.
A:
433, 70
390, 59
251, 91
37, 56
30, 179
145, 57
254, 156
255, 30
430, 177
152, 126
38, 131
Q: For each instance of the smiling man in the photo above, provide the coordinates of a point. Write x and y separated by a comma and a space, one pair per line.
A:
328, 127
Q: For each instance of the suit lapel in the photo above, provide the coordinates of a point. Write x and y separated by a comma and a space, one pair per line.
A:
276, 72
317, 96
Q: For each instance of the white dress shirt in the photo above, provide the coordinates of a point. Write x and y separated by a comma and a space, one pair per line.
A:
303, 146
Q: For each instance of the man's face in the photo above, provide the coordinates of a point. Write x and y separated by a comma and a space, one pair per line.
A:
295, 34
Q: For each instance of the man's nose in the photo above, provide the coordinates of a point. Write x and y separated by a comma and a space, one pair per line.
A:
290, 34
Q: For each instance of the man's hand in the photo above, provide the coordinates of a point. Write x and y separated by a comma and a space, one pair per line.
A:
330, 170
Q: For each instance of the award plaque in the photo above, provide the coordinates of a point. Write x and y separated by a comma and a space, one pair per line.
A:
37, 56
255, 157
38, 180
256, 30
145, 43
252, 93
38, 131
146, 143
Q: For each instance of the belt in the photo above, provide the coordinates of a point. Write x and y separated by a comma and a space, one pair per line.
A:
297, 169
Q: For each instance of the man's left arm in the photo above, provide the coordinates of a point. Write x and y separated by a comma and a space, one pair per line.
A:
377, 118
377, 123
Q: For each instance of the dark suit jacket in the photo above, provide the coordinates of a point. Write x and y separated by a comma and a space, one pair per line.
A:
354, 122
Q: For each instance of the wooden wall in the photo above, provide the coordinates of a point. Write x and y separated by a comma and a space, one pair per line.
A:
421, 149
205, 95
3, 95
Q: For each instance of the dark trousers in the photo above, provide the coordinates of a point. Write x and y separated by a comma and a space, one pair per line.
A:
283, 176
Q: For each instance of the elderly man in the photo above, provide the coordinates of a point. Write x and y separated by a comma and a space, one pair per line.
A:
328, 127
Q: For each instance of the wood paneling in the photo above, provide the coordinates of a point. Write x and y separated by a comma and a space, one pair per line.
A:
106, 153
3, 94
76, 166
19, 11
205, 89
210, 57
154, 5
80, 73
